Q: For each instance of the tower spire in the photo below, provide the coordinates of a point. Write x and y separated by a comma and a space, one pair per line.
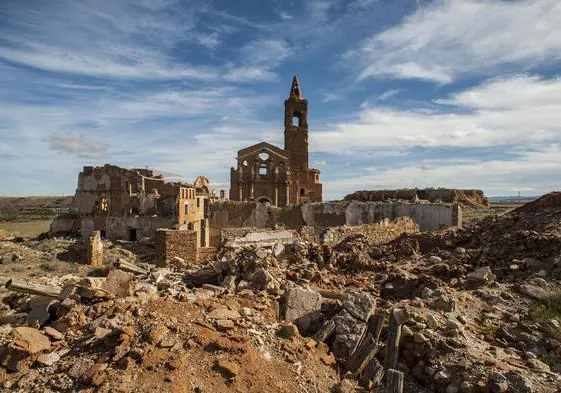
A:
295, 91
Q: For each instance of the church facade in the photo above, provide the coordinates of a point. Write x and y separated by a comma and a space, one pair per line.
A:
281, 177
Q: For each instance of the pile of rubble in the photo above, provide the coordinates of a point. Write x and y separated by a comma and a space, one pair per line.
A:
103, 332
471, 311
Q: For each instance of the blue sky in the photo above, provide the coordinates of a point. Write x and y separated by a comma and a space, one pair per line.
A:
456, 93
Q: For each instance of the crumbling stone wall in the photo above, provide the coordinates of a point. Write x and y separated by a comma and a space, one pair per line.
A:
133, 203
172, 243
381, 232
232, 233
95, 250
262, 237
331, 214
120, 227
473, 198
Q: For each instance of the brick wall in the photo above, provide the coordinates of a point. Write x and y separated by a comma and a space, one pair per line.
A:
381, 232
175, 243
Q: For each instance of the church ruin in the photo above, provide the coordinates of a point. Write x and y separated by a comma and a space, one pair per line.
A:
281, 177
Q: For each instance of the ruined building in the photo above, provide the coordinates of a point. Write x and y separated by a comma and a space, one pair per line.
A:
134, 203
282, 177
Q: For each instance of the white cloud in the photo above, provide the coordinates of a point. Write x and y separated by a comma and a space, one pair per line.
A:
443, 40
522, 109
266, 51
388, 94
89, 39
77, 144
533, 170
208, 40
285, 16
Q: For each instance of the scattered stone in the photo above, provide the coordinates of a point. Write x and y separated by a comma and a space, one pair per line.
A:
435, 259
432, 322
39, 310
288, 331
48, 359
80, 368
420, 338
119, 283
224, 313
359, 304
483, 275
225, 324
52, 332
302, 306
30, 340
157, 333
229, 283
227, 368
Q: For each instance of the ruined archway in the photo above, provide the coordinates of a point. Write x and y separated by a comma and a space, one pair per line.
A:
264, 200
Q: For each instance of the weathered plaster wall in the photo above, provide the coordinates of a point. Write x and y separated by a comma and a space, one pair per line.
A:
263, 237
119, 227
331, 214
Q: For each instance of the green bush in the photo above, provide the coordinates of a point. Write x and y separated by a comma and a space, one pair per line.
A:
551, 308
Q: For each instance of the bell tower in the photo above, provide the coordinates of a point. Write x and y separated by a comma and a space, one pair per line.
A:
296, 127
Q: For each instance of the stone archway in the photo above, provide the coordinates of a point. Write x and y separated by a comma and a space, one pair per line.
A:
264, 200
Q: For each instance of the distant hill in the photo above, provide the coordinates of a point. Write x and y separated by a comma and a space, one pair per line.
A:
32, 208
514, 198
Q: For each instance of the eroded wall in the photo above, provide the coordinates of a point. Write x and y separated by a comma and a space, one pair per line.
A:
331, 214
381, 232
473, 198
121, 227
172, 243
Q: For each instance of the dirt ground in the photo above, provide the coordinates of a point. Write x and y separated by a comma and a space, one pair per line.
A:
482, 309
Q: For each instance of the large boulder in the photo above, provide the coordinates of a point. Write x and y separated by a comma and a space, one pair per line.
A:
302, 306
65, 224
481, 276
119, 283
26, 344
348, 331
359, 304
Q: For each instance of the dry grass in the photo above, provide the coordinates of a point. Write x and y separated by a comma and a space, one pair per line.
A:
26, 228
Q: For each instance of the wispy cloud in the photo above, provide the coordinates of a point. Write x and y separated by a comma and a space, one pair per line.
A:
75, 143
388, 94
500, 112
449, 38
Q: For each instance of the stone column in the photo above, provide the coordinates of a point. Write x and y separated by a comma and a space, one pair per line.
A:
287, 194
240, 191
95, 250
252, 192
276, 194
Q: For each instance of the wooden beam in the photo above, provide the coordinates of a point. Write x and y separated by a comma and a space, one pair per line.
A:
360, 358
397, 318
372, 375
375, 325
130, 267
394, 381
32, 289
326, 330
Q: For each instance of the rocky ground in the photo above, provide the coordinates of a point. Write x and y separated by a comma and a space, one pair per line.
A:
479, 310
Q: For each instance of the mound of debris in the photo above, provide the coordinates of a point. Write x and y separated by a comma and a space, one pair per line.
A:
476, 310
465, 198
